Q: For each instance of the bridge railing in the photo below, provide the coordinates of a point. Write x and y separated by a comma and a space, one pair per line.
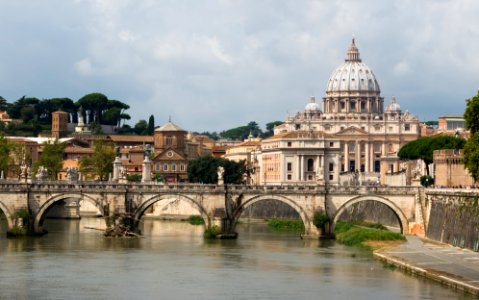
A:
6, 185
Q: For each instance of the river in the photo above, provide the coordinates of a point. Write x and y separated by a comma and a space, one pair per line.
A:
173, 261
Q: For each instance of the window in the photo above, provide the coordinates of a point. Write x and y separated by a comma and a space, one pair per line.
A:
331, 177
289, 176
289, 144
289, 166
377, 166
377, 147
157, 167
165, 167
331, 144
342, 105
363, 105
351, 147
297, 126
363, 148
173, 167
182, 167
407, 127
352, 105
169, 140
331, 167
361, 168
310, 165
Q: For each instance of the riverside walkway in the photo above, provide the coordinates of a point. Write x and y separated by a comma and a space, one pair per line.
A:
453, 266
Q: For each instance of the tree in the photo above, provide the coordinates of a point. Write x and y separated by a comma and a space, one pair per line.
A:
3, 104
5, 149
270, 128
141, 127
151, 125
471, 156
424, 147
471, 115
94, 104
205, 170
100, 163
14, 110
51, 158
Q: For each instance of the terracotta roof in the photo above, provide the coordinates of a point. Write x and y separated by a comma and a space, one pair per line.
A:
169, 127
79, 150
132, 138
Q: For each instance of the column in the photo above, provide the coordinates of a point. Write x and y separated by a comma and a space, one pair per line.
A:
367, 158
346, 157
298, 177
301, 174
357, 153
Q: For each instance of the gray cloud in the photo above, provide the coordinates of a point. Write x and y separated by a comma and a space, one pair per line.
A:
213, 65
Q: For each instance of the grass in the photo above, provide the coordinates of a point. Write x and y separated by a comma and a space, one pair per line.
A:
212, 232
195, 220
286, 224
365, 235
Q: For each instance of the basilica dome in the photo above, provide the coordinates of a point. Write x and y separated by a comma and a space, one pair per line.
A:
353, 75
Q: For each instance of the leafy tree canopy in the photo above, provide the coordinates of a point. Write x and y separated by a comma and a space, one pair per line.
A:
471, 156
51, 158
424, 147
205, 170
471, 115
100, 163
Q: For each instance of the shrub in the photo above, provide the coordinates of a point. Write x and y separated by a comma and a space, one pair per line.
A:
212, 232
196, 220
285, 224
427, 180
353, 235
134, 177
320, 219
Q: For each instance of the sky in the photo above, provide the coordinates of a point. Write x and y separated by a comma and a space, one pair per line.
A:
215, 65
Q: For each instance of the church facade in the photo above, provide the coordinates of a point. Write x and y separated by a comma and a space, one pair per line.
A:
352, 114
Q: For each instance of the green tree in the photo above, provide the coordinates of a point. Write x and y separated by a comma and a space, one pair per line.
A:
270, 128
5, 149
471, 115
94, 104
51, 158
471, 156
205, 170
3, 104
141, 127
15, 110
424, 147
100, 163
151, 125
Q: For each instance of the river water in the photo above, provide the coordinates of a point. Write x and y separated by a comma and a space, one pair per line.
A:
174, 262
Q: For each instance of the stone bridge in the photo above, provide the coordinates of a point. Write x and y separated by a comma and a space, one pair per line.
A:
209, 200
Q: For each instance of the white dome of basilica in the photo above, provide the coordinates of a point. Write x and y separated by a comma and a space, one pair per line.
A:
312, 105
353, 75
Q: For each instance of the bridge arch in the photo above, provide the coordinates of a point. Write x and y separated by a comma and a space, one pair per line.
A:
40, 215
140, 210
309, 228
7, 214
403, 222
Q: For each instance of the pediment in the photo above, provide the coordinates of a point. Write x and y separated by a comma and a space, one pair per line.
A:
352, 131
169, 154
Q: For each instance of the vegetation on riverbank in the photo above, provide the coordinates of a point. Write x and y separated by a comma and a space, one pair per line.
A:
212, 232
195, 220
286, 224
366, 235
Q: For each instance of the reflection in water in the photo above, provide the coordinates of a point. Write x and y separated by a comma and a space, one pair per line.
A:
173, 261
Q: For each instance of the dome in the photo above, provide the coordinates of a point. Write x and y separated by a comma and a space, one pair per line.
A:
312, 105
353, 75
393, 106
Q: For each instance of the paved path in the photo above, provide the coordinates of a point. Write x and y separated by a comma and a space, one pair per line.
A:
451, 265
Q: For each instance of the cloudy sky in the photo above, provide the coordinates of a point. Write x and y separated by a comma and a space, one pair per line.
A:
213, 65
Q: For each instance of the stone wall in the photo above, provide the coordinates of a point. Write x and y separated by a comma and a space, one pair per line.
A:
371, 211
454, 219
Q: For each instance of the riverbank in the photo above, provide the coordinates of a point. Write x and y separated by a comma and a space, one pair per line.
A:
452, 266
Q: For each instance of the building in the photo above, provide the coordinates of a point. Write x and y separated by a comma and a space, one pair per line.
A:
300, 156
250, 152
449, 170
353, 113
59, 124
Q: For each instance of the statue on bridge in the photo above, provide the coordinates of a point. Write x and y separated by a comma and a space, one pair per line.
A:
72, 174
42, 173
